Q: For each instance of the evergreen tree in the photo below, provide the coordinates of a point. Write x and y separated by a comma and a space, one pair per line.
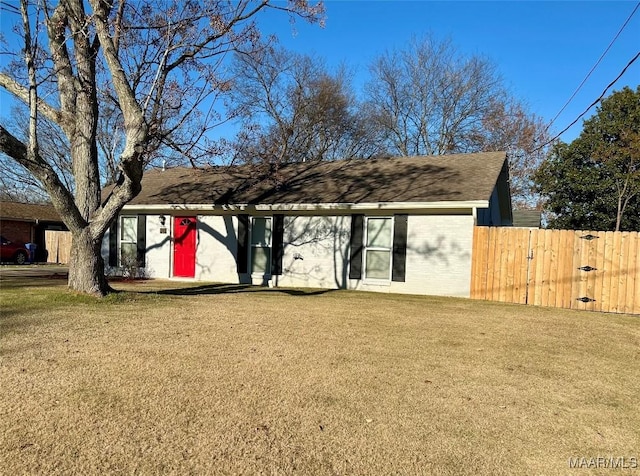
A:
594, 182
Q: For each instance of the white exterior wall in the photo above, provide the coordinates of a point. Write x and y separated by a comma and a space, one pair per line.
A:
438, 258
216, 248
158, 254
316, 252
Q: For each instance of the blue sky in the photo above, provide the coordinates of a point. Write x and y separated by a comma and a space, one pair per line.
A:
543, 50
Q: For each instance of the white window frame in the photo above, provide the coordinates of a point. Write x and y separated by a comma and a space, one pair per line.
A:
121, 241
269, 246
367, 248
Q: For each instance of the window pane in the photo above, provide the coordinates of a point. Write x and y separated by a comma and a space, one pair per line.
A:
379, 232
128, 229
128, 253
261, 232
260, 260
378, 264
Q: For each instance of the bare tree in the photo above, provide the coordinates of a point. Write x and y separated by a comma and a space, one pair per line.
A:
508, 125
162, 64
429, 99
16, 179
293, 109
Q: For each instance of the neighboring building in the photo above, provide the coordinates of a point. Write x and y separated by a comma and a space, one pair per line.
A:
527, 218
27, 223
394, 225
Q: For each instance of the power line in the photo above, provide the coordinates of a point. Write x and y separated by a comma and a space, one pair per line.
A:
595, 65
592, 104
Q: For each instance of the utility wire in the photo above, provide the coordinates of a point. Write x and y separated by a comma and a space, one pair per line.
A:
592, 104
9, 7
6, 6
595, 65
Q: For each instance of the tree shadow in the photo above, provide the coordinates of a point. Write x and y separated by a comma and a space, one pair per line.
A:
347, 182
209, 289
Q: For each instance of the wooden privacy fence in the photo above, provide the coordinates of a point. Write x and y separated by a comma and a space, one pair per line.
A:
590, 270
58, 244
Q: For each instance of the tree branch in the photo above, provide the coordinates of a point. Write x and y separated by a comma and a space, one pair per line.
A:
60, 196
56, 26
22, 93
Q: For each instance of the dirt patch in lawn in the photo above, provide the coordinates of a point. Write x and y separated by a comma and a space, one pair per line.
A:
263, 381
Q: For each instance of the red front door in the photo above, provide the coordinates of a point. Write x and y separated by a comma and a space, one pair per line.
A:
184, 247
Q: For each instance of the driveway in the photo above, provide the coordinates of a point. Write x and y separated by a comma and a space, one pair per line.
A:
33, 271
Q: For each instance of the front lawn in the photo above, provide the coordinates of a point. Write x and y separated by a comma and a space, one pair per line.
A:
230, 380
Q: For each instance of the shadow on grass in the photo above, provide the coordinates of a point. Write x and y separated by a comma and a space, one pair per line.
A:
238, 288
12, 282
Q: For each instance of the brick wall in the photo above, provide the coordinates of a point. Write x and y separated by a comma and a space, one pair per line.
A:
18, 231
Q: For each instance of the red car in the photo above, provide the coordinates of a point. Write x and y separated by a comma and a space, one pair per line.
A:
10, 251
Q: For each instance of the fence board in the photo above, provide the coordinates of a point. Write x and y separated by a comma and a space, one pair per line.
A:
484, 274
636, 269
497, 276
537, 263
608, 266
599, 272
546, 267
532, 266
582, 277
58, 245
576, 284
481, 251
592, 254
508, 265
565, 273
632, 272
521, 263
51, 245
615, 272
493, 274
624, 271
541, 267
553, 250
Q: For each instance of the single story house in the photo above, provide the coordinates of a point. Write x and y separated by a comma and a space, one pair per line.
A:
400, 225
28, 223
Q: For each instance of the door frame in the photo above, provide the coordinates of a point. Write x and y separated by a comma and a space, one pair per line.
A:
194, 231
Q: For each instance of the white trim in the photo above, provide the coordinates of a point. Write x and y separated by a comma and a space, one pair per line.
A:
366, 248
121, 242
269, 246
450, 204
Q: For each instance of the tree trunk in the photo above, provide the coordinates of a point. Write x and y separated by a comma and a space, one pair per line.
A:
86, 266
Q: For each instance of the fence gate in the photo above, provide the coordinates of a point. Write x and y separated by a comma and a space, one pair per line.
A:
596, 271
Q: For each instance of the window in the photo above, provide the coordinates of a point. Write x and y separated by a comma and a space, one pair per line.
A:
261, 245
378, 247
128, 240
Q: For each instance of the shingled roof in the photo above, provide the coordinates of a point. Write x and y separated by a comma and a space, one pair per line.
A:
28, 212
461, 177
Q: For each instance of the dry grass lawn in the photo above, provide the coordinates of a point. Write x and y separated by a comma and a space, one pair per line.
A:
222, 380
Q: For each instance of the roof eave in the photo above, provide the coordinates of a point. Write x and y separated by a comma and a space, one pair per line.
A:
292, 207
